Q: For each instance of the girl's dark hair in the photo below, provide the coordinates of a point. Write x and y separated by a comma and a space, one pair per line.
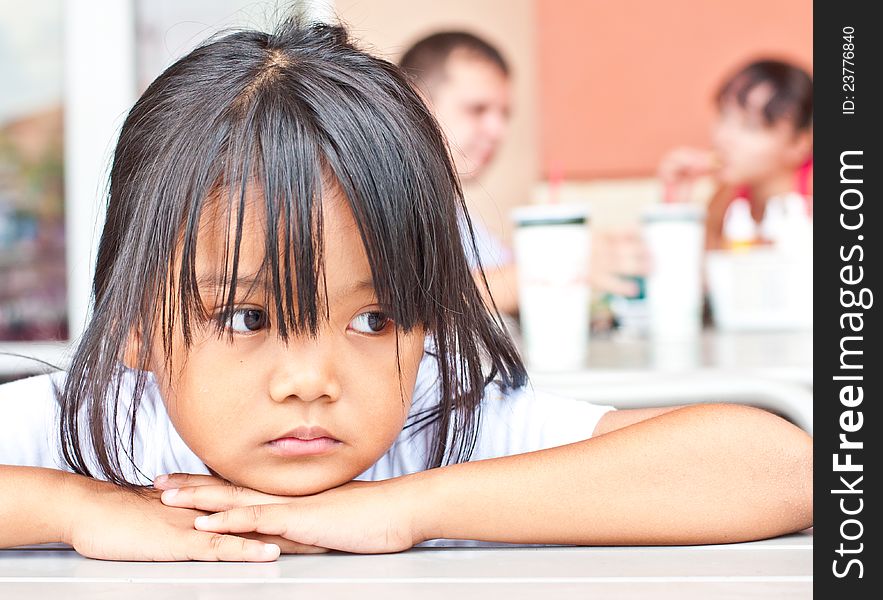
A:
791, 86
285, 112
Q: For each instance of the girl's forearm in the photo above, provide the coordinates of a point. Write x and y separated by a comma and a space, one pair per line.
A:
33, 505
700, 474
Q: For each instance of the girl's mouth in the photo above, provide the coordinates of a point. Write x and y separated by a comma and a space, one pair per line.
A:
304, 441
291, 446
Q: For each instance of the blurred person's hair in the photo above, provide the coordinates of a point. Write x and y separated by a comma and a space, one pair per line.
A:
791, 87
425, 61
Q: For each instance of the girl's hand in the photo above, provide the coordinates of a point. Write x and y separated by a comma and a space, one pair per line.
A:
359, 516
112, 523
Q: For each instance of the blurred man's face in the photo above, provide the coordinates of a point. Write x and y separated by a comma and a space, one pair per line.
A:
471, 103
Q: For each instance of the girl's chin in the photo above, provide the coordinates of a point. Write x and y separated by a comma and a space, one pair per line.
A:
299, 488
306, 490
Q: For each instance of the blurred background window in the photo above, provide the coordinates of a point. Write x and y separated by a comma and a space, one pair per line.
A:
33, 295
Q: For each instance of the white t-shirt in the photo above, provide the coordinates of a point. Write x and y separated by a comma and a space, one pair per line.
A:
520, 421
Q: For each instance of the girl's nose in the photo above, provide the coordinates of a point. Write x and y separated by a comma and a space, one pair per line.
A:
304, 371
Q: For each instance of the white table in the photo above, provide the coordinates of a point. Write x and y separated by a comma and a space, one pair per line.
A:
772, 370
779, 568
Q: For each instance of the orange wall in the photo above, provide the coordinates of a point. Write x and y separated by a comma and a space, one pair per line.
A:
620, 82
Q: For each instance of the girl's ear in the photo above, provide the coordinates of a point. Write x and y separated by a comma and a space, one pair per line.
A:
132, 349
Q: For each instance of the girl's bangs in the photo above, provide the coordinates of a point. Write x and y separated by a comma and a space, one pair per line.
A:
278, 180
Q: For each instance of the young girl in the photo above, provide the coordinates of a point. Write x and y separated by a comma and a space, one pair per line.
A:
288, 344
762, 151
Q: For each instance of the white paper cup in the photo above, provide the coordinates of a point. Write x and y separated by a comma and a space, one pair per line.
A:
674, 234
552, 254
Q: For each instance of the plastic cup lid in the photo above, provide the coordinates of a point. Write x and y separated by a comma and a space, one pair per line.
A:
551, 214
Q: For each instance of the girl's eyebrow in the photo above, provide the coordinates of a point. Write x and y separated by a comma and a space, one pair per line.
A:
214, 282
360, 285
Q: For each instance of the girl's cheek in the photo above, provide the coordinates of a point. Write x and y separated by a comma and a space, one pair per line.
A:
766, 154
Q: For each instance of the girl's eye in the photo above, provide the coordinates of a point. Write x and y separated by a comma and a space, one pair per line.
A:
247, 320
372, 322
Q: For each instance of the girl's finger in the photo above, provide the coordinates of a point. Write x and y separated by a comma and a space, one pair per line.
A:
269, 519
177, 480
219, 547
215, 498
287, 546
